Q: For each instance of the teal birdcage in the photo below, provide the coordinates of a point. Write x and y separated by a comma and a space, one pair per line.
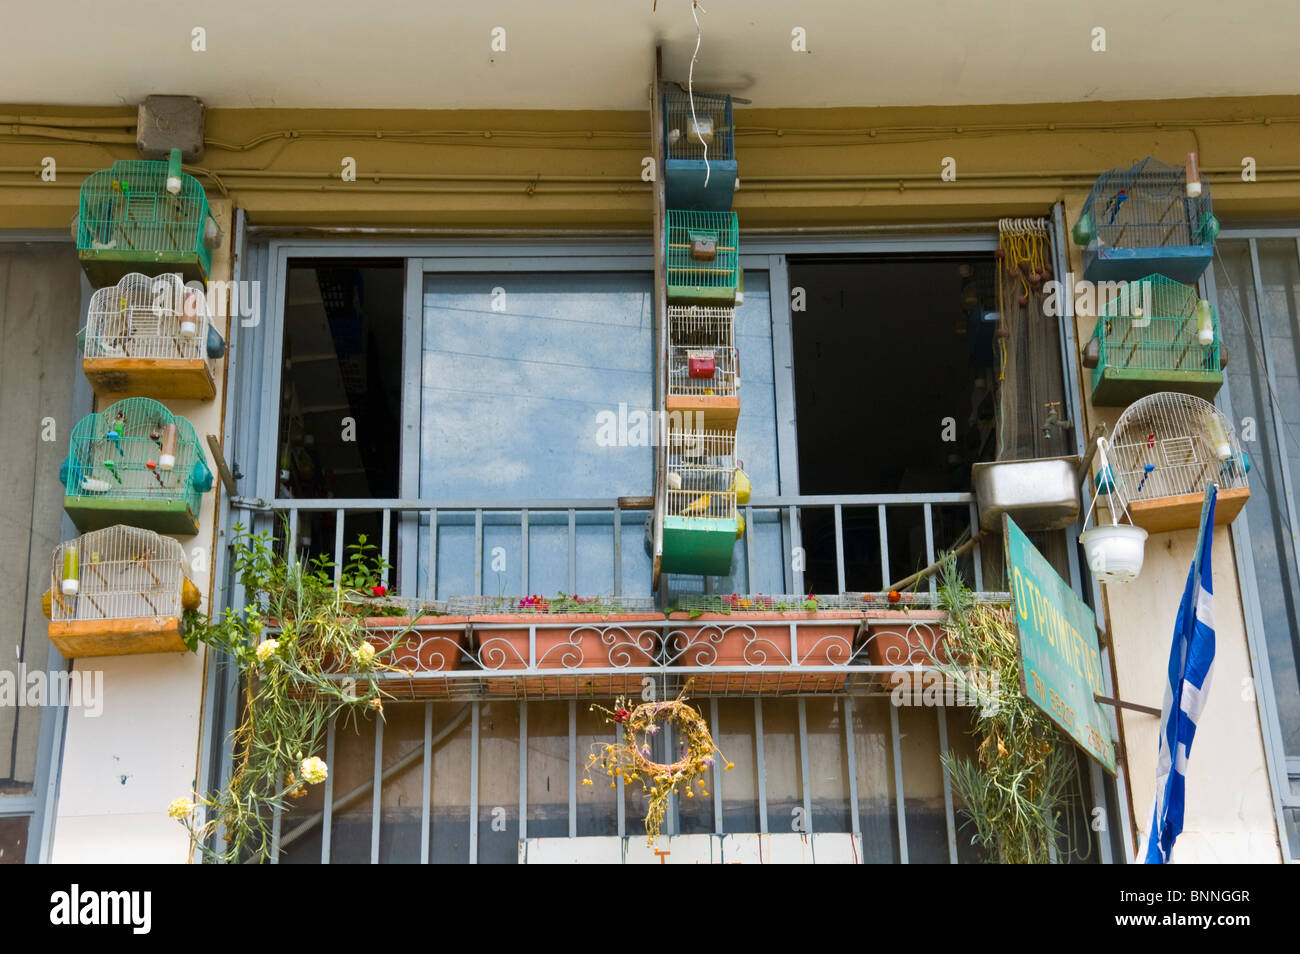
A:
128, 221
1155, 334
703, 253
700, 160
1152, 217
135, 463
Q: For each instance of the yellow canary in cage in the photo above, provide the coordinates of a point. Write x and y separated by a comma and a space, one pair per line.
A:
698, 506
190, 595
741, 487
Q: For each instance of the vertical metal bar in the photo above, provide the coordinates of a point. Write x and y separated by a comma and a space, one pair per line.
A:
716, 771
796, 537
478, 552
383, 553
573, 551
977, 557
573, 768
761, 765
618, 554
884, 547
929, 545
851, 759
327, 813
433, 553
947, 784
426, 783
275, 835
749, 550
1098, 786
787, 433
523, 549
899, 801
523, 770
473, 782
408, 522
377, 791
291, 545
805, 775
338, 546
621, 807
839, 548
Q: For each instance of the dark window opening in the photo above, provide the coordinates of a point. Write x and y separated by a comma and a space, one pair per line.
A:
340, 399
894, 378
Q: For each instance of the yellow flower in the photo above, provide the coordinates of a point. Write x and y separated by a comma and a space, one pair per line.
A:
364, 655
377, 703
586, 781
266, 649
730, 766
180, 808
314, 770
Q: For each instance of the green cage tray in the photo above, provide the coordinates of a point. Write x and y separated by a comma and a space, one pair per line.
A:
699, 545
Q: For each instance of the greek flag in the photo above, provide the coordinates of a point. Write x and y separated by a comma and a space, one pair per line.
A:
1191, 663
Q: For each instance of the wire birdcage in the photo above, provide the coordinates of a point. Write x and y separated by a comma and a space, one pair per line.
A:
129, 222
1156, 334
117, 573
1146, 219
137, 463
701, 519
151, 334
703, 249
700, 160
702, 356
1169, 445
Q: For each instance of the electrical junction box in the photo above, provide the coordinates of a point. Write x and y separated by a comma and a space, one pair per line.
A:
170, 122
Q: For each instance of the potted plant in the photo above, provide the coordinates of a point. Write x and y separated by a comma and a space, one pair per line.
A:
902, 633
753, 632
305, 656
570, 633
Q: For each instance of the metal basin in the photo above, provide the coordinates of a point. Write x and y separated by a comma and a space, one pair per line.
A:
1040, 494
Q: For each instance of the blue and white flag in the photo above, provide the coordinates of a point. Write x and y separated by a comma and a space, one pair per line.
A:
1191, 663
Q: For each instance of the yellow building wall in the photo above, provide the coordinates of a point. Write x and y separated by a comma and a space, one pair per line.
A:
833, 169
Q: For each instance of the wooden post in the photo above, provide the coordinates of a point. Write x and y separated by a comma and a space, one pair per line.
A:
661, 318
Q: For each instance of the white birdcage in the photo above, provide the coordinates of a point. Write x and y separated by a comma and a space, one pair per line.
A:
1169, 444
1165, 448
702, 471
702, 357
118, 573
151, 336
146, 316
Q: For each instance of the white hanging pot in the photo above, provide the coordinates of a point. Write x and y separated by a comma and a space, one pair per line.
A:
1114, 552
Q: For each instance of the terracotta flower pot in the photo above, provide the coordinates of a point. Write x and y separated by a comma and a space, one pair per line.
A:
419, 651
761, 639
583, 641
905, 638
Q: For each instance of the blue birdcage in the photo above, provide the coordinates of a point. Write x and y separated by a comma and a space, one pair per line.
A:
700, 143
1150, 218
138, 464
130, 221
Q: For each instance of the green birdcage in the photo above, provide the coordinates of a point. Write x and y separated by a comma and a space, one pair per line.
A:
703, 255
138, 464
1155, 334
147, 217
701, 517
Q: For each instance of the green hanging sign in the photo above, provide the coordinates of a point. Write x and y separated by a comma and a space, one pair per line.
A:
1060, 661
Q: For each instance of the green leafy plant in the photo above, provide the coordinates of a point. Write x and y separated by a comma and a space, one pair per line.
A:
1015, 789
305, 657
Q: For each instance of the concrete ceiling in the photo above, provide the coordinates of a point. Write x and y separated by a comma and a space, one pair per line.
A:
597, 54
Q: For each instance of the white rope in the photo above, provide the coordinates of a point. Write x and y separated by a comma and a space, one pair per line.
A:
690, 87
